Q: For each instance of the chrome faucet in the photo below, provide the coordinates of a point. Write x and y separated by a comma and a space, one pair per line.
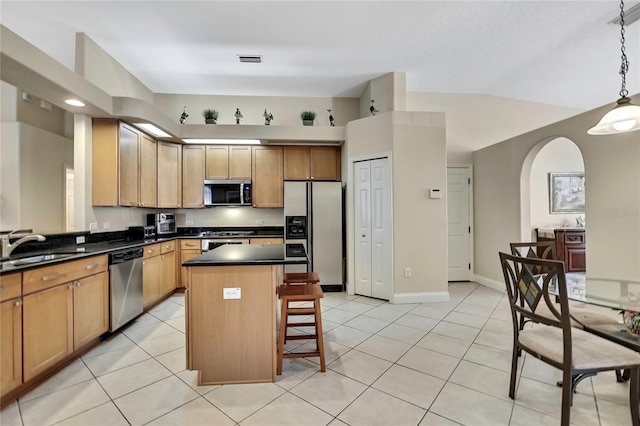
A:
7, 247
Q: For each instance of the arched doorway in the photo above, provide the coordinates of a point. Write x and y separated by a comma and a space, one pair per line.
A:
552, 192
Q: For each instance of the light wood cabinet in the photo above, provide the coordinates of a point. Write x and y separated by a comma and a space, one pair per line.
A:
90, 308
169, 175
150, 280
124, 165
158, 271
228, 162
193, 173
48, 329
167, 273
188, 250
312, 163
268, 182
266, 241
10, 332
64, 308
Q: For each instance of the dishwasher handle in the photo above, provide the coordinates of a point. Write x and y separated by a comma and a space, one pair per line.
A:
125, 256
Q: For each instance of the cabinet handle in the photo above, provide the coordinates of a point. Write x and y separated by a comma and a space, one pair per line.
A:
142, 204
190, 244
77, 283
50, 277
70, 286
17, 303
91, 266
312, 177
151, 251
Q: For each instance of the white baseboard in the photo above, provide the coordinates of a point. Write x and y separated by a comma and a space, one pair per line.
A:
487, 282
432, 296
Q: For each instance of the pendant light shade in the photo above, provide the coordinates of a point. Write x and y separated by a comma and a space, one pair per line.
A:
625, 117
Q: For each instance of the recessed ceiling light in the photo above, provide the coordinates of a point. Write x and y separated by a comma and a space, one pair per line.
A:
223, 141
252, 59
74, 102
156, 131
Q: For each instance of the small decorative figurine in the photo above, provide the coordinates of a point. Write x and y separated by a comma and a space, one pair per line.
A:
267, 117
373, 108
331, 120
184, 115
238, 115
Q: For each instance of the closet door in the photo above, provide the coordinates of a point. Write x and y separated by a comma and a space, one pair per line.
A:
372, 224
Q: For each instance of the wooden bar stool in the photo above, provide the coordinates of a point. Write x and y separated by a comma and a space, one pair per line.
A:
300, 293
301, 278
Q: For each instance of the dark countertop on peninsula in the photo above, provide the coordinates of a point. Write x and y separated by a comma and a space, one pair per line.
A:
245, 254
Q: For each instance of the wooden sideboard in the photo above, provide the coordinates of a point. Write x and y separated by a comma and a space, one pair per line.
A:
570, 246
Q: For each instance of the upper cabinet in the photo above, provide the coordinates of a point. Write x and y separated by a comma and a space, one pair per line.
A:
169, 175
312, 163
124, 165
228, 162
268, 182
193, 173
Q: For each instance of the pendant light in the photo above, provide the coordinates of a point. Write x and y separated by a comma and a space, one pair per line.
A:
625, 116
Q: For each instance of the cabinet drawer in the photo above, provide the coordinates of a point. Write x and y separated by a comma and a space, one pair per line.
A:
50, 276
151, 250
574, 238
190, 244
10, 286
167, 247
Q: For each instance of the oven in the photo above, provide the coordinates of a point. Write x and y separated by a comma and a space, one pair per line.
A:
212, 243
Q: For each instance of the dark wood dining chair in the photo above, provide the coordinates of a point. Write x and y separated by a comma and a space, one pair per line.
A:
532, 283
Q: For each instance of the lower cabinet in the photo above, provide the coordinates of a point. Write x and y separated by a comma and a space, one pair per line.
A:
184, 256
90, 308
150, 278
158, 272
167, 273
48, 328
10, 345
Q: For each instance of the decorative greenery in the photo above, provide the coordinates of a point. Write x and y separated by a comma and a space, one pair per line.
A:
210, 114
308, 115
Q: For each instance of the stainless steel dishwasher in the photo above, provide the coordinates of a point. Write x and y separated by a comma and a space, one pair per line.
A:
125, 295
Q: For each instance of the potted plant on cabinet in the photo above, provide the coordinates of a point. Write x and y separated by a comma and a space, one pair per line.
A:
210, 116
307, 118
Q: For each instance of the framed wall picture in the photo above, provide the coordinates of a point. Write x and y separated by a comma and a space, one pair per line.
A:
566, 192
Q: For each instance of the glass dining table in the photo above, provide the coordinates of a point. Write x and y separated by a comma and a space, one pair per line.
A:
618, 294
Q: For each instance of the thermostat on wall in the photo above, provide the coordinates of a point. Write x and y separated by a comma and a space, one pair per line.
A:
434, 193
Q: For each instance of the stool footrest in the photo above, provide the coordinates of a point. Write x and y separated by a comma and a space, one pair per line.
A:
301, 311
300, 354
302, 337
301, 324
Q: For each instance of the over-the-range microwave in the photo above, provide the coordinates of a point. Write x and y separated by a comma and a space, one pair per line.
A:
227, 193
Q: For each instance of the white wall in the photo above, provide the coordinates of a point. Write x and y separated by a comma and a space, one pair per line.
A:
475, 121
389, 92
613, 243
417, 146
558, 156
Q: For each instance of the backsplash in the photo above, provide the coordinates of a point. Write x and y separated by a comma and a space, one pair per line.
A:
230, 216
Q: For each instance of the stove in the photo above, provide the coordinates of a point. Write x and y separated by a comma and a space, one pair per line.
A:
227, 233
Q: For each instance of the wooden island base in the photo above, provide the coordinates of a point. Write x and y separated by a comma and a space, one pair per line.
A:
232, 340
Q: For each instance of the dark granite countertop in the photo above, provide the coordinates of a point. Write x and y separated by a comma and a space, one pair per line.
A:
237, 254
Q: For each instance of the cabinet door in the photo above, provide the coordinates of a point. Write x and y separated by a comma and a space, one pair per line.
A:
266, 241
47, 329
184, 256
104, 162
128, 159
323, 162
217, 162
268, 183
148, 172
150, 280
90, 308
169, 175
240, 162
296, 163
193, 167
167, 273
10, 345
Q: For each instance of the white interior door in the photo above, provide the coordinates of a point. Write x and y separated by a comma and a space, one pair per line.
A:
373, 257
459, 227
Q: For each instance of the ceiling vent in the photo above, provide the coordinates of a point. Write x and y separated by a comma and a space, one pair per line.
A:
252, 59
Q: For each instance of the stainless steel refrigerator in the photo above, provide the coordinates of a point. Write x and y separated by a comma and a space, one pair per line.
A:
313, 218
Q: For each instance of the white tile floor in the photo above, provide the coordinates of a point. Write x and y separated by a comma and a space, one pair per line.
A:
429, 364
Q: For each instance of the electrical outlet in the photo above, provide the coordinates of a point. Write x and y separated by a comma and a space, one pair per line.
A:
407, 272
189, 222
106, 225
259, 222
93, 226
80, 239
231, 293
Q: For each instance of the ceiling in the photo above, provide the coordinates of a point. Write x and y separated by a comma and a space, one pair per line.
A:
556, 52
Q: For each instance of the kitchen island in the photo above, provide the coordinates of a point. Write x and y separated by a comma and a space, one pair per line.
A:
231, 307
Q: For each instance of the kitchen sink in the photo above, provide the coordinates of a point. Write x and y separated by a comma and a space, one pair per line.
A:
35, 259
